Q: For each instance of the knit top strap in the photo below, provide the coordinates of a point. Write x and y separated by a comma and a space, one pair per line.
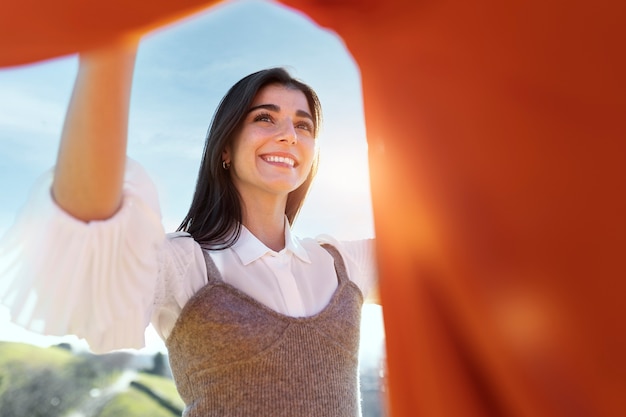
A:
213, 274
340, 266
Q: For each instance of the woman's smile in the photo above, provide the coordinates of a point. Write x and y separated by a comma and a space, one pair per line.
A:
280, 160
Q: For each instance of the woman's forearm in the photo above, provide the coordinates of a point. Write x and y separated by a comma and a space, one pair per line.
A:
90, 166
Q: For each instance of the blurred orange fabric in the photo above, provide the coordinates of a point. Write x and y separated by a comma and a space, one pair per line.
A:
34, 30
497, 145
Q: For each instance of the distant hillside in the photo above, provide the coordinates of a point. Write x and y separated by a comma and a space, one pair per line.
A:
55, 382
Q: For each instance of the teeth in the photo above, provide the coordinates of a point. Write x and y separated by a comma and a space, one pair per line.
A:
280, 159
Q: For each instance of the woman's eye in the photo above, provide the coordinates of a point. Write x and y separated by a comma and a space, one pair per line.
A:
263, 117
305, 126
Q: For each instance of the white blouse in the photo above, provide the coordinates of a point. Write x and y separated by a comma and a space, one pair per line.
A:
105, 281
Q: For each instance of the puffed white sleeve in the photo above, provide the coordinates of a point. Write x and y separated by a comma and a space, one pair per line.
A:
95, 280
360, 260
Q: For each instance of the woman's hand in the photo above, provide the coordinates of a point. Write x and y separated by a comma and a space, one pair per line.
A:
90, 165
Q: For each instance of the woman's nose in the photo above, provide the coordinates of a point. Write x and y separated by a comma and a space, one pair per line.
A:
288, 133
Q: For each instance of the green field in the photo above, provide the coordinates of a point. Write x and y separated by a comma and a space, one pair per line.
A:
133, 403
54, 382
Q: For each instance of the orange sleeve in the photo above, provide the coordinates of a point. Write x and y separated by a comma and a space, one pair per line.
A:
34, 30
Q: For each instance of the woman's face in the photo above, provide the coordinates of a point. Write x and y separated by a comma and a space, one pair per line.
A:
275, 147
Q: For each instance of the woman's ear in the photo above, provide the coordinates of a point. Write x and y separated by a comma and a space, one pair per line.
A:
226, 155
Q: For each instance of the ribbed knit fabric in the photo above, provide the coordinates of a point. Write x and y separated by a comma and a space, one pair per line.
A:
231, 356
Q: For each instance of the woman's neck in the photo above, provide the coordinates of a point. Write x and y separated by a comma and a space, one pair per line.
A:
266, 222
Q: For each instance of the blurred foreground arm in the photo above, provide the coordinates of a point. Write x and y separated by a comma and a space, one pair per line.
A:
90, 166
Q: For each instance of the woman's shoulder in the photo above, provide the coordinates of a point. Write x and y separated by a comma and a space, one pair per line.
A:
180, 239
347, 246
356, 252
359, 258
182, 268
180, 250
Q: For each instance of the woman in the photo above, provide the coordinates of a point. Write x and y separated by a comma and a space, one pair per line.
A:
256, 321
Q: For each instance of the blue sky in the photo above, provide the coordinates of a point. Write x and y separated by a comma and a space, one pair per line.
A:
182, 72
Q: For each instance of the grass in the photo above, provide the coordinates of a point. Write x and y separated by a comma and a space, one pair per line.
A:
19, 360
34, 356
41, 382
133, 404
164, 387
31, 377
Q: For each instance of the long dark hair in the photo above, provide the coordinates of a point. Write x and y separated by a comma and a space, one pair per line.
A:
215, 216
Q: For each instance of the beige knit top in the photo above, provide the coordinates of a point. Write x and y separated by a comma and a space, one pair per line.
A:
232, 356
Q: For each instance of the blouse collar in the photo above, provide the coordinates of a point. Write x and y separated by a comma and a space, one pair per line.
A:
248, 248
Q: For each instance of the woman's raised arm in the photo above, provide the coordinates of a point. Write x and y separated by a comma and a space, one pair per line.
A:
90, 166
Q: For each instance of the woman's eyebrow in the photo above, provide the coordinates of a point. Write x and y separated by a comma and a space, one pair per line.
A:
271, 107
275, 108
